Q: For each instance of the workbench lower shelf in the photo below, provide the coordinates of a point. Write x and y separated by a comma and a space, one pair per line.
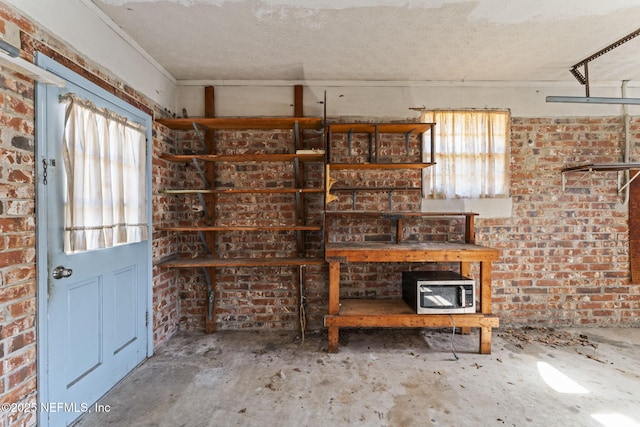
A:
389, 313
392, 313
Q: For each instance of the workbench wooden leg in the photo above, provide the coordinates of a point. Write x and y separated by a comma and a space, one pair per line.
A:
334, 287
465, 330
485, 340
485, 287
334, 303
333, 339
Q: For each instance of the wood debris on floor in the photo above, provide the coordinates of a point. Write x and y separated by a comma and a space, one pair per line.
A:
549, 336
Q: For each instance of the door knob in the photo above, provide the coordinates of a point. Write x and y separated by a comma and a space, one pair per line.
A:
61, 272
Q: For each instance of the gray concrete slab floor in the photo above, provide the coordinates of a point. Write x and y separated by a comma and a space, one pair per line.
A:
384, 377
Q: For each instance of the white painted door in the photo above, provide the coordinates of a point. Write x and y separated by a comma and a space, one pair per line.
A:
94, 317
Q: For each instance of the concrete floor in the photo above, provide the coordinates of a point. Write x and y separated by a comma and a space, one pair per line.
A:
410, 377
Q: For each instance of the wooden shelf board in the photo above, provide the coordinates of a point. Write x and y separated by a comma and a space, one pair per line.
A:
241, 262
243, 158
370, 166
602, 167
396, 214
243, 123
334, 189
393, 313
382, 127
246, 191
245, 228
409, 252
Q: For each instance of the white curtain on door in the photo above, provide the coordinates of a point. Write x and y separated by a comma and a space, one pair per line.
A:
471, 154
105, 159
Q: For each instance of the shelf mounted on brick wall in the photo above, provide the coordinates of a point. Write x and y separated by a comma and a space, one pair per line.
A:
602, 167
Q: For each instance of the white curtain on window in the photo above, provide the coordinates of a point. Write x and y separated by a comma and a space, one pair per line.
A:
471, 154
105, 159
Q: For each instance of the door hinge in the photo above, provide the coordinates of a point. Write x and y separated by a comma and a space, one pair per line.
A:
146, 318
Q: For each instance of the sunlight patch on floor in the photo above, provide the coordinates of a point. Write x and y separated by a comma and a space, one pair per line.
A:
615, 420
559, 381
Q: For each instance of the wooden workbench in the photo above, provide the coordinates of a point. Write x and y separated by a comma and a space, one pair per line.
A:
395, 313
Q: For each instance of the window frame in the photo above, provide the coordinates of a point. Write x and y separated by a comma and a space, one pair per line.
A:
494, 206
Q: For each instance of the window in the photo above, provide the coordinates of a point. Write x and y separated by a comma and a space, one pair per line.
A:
471, 154
104, 158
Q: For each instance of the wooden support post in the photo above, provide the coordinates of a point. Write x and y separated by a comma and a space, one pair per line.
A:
300, 201
297, 101
485, 340
209, 101
469, 229
210, 142
334, 304
485, 287
299, 166
210, 200
333, 336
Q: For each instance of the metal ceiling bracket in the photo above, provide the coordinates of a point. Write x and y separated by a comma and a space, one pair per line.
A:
584, 79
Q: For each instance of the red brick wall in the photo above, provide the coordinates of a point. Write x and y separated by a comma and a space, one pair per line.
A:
17, 243
564, 254
17, 217
165, 282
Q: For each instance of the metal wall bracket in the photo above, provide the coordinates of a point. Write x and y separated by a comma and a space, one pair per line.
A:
602, 167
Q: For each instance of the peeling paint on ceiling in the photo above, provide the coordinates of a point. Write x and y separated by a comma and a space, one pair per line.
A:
490, 10
397, 40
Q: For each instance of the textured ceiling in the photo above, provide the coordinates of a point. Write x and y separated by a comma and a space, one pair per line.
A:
388, 40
